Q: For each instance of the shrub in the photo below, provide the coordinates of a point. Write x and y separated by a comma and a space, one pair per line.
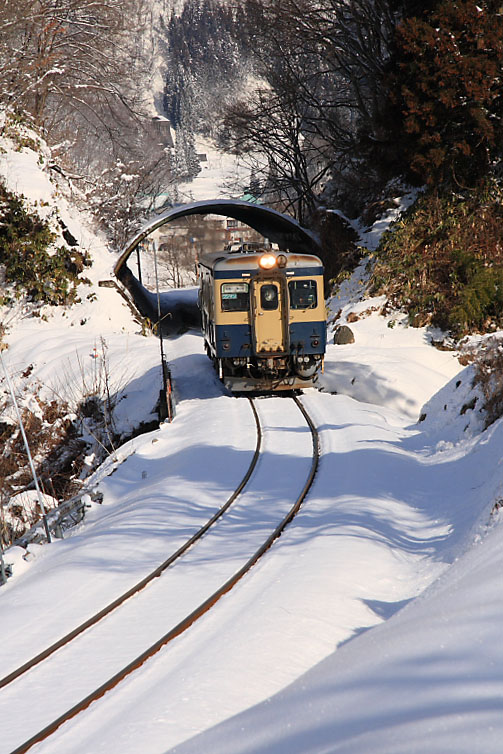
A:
31, 263
443, 261
488, 362
57, 451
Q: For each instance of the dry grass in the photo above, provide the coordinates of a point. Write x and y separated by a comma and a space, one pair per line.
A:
63, 433
487, 359
57, 452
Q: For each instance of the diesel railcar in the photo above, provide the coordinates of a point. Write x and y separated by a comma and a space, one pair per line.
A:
263, 317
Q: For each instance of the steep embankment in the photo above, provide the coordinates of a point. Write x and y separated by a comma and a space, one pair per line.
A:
76, 356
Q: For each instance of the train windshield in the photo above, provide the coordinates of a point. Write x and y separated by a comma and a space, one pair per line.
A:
269, 297
234, 297
303, 294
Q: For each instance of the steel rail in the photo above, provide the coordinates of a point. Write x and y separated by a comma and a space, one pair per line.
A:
147, 579
184, 624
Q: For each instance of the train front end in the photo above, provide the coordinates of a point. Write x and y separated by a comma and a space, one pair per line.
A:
264, 320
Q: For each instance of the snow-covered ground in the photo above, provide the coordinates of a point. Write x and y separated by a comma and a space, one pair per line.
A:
373, 623
222, 176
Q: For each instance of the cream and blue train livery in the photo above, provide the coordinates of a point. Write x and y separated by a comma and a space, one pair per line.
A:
263, 317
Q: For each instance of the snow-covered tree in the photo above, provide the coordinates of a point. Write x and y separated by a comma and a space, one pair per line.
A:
81, 70
205, 60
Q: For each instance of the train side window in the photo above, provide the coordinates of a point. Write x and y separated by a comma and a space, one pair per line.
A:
303, 294
234, 297
269, 297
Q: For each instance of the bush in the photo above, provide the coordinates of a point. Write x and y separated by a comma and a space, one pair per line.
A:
447, 87
31, 263
443, 261
488, 362
57, 451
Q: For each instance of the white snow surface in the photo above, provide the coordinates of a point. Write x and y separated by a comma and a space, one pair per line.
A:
222, 176
373, 624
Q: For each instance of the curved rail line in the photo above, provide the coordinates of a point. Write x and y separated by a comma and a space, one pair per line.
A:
184, 624
147, 579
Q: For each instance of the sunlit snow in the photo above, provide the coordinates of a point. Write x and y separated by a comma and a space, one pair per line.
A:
372, 625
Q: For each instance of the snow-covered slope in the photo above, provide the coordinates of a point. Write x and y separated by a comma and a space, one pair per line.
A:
67, 346
222, 176
372, 624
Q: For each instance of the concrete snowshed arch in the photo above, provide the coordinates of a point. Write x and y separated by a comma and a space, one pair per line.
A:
278, 228
273, 225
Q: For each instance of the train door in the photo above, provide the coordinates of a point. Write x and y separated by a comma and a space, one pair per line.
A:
268, 317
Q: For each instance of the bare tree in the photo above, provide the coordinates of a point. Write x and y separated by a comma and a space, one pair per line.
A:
81, 69
61, 51
123, 195
325, 65
271, 124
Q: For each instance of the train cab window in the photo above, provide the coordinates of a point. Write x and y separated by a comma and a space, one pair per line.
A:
234, 297
269, 297
303, 294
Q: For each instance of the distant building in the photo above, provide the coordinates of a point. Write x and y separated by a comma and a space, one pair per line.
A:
237, 231
161, 131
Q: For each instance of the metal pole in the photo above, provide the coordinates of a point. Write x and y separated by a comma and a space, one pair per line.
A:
138, 262
158, 301
154, 247
159, 328
3, 573
28, 452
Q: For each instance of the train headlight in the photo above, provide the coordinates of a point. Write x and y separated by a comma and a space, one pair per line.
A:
282, 260
267, 261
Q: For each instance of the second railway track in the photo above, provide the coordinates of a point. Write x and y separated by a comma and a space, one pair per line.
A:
116, 646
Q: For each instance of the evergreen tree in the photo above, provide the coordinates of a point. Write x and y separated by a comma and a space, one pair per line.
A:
206, 57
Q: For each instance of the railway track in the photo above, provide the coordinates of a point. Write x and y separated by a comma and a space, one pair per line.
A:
143, 582
203, 605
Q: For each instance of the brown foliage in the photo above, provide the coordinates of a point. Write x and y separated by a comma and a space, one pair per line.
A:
54, 446
448, 88
443, 261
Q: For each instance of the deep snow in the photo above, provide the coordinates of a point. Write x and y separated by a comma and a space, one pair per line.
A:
373, 624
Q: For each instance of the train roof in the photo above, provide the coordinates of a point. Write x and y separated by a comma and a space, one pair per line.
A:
230, 262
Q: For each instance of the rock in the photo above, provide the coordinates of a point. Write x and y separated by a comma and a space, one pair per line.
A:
343, 335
